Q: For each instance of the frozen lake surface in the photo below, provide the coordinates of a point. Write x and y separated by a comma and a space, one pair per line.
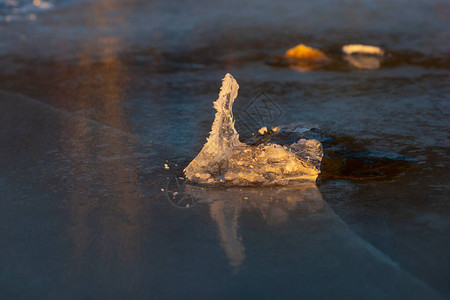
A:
96, 96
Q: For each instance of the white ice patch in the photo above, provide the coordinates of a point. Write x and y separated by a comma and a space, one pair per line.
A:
363, 56
362, 49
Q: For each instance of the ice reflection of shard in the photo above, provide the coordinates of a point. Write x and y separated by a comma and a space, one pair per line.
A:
363, 62
273, 204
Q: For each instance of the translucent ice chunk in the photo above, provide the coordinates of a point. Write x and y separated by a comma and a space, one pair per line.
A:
362, 49
363, 56
224, 159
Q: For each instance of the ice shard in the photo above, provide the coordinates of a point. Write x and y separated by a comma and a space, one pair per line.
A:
224, 159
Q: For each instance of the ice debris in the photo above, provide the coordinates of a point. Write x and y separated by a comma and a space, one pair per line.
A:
362, 49
262, 130
363, 56
224, 159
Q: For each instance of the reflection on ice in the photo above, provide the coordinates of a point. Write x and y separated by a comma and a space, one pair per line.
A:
363, 62
274, 205
300, 229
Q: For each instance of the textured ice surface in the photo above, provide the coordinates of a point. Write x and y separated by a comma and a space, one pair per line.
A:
225, 159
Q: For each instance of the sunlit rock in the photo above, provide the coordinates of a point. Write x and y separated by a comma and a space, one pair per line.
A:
224, 159
300, 58
304, 52
303, 58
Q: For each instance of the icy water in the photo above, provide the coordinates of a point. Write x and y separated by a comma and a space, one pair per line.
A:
96, 96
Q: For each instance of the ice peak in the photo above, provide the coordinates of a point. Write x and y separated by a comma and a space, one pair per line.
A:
224, 159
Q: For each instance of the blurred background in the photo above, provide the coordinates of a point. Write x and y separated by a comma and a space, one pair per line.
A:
97, 95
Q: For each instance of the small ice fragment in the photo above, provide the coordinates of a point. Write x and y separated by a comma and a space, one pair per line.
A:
362, 49
363, 56
262, 130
